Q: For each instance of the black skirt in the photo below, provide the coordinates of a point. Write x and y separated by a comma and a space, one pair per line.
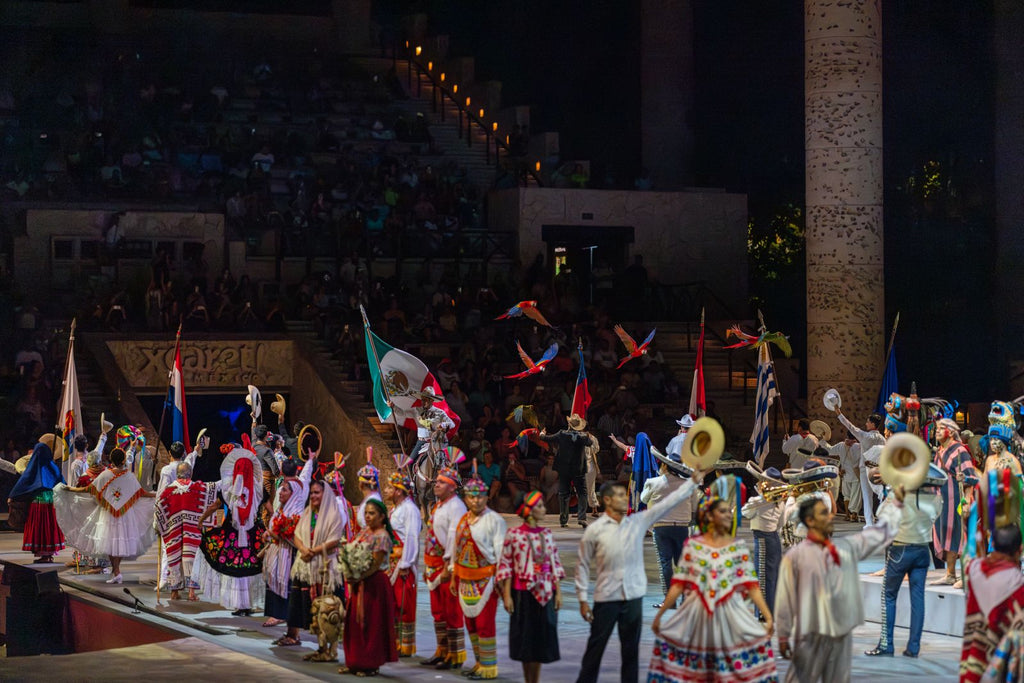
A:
274, 605
533, 629
300, 604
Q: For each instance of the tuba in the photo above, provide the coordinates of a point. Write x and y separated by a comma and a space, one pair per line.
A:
309, 430
904, 461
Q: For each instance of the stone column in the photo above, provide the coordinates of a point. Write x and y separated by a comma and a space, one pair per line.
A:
667, 77
843, 133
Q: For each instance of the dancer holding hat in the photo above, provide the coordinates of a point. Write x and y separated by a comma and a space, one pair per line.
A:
529, 573
571, 465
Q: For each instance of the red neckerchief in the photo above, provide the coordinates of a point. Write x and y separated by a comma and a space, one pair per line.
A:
825, 543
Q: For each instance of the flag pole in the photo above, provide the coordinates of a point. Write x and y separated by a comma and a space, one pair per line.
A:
163, 413
67, 367
383, 386
888, 353
763, 329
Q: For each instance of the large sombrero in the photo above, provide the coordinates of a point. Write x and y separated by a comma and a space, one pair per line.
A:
812, 471
55, 443
821, 430
672, 461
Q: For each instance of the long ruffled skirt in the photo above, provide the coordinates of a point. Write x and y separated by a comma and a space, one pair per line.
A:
42, 534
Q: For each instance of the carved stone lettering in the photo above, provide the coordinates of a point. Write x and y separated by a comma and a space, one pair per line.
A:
206, 364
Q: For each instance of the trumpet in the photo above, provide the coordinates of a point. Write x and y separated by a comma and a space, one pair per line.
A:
780, 492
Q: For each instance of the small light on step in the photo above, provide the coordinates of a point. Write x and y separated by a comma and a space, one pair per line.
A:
419, 50
481, 113
407, 45
494, 126
430, 66
455, 89
468, 101
537, 166
442, 77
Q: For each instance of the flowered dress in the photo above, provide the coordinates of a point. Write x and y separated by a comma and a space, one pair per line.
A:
714, 635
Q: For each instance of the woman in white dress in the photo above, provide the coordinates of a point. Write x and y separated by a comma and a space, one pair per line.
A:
714, 635
114, 519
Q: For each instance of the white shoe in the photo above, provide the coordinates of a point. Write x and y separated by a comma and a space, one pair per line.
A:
117, 578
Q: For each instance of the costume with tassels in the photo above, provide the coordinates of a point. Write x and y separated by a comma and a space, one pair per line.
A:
112, 517
714, 635
179, 506
407, 523
479, 538
438, 551
229, 569
369, 637
995, 585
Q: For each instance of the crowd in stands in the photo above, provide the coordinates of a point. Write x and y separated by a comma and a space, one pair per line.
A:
309, 149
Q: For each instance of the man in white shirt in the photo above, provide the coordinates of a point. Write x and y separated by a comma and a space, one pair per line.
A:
675, 446
819, 600
671, 532
437, 558
169, 472
764, 523
867, 437
613, 544
848, 454
800, 446
909, 556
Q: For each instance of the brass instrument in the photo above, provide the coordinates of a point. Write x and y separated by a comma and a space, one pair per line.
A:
300, 442
780, 492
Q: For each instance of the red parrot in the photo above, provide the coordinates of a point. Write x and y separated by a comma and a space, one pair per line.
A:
630, 344
527, 308
526, 436
531, 367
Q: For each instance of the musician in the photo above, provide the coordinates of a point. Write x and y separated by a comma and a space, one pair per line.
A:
800, 446
764, 514
867, 437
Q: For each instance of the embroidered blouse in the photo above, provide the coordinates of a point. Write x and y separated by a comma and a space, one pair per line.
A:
530, 559
715, 573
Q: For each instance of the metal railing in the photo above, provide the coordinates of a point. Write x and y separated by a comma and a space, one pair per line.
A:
442, 91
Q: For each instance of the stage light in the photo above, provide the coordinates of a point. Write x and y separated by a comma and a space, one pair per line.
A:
430, 66
481, 113
536, 166
455, 89
442, 77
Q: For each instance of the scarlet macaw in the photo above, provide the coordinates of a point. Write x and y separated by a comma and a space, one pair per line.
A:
531, 367
527, 308
630, 344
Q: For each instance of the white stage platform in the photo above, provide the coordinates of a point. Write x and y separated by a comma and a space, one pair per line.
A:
944, 606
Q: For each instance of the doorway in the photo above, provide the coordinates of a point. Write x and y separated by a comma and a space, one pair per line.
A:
587, 258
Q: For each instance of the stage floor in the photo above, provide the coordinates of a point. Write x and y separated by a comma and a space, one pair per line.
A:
215, 645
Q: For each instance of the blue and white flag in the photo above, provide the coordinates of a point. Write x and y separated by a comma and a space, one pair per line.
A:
766, 393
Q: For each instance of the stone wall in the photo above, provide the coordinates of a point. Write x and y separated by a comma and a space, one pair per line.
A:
683, 236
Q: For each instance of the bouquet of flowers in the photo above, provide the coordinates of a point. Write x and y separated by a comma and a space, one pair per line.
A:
354, 558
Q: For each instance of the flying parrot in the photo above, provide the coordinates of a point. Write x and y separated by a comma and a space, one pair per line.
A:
755, 341
527, 435
531, 367
527, 308
630, 344
524, 415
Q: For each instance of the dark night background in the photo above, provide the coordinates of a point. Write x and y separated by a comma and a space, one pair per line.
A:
580, 71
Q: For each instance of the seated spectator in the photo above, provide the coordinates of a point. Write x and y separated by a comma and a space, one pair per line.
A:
516, 481
548, 483
263, 158
490, 473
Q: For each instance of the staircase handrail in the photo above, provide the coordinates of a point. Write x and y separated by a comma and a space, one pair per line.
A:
471, 117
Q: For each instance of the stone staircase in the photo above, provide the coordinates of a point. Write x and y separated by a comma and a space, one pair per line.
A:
358, 390
472, 156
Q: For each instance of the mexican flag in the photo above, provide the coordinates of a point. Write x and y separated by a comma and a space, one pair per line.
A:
402, 377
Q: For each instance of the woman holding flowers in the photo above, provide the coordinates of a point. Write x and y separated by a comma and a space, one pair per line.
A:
279, 555
369, 639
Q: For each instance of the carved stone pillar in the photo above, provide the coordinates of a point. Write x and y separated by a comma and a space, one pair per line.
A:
843, 133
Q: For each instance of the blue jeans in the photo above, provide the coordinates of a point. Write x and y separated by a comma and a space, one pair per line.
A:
901, 561
668, 541
767, 557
